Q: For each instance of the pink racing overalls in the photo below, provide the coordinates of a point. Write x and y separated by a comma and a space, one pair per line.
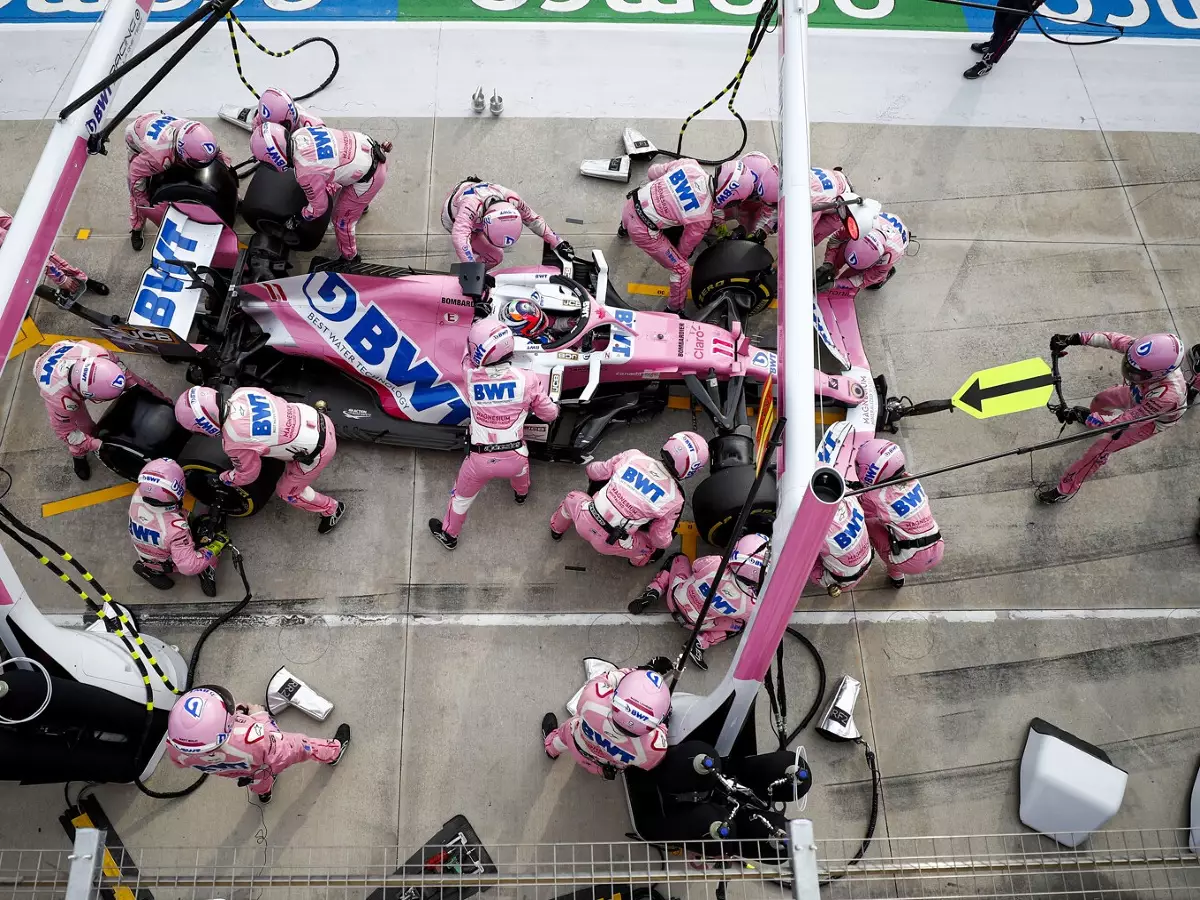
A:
902, 528
63, 275
258, 424
163, 539
596, 743
462, 216
500, 398
1124, 403
256, 749
69, 416
331, 161
895, 242
847, 555
826, 185
640, 492
150, 139
678, 193
685, 586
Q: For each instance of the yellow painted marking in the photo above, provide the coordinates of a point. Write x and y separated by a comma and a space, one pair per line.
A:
1002, 390
688, 535
83, 234
28, 337
685, 403
108, 865
648, 290
829, 416
774, 304
91, 498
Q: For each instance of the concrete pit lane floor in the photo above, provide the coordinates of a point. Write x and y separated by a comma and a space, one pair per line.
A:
1084, 614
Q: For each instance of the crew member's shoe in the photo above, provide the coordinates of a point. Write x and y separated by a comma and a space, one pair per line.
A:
697, 656
897, 583
519, 498
97, 287
158, 579
554, 535
639, 604
83, 468
208, 582
264, 799
137, 241
449, 541
875, 287
1051, 494
342, 736
622, 231
982, 47
549, 726
328, 522
978, 70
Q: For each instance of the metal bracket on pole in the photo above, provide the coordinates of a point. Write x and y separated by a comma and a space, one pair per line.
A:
802, 847
85, 864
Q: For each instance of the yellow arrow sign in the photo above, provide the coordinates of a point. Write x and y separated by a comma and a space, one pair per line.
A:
1007, 389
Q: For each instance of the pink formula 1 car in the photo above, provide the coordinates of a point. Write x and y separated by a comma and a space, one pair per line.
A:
381, 348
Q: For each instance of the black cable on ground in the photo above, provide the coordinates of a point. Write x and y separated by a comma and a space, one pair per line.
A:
231, 19
876, 794
821, 683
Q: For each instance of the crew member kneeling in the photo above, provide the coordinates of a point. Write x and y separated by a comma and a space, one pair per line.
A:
208, 731
255, 423
641, 492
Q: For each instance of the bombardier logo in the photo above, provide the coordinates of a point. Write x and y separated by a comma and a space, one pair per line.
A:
371, 343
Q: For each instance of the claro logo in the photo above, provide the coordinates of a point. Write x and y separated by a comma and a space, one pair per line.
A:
136, 24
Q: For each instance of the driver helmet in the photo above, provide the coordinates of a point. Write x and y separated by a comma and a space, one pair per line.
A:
878, 461
276, 106
489, 342
195, 144
501, 225
749, 558
1152, 356
733, 183
269, 144
641, 702
97, 378
766, 177
199, 409
685, 453
865, 250
200, 721
525, 317
161, 482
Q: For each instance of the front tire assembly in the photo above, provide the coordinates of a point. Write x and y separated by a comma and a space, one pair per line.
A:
718, 500
203, 457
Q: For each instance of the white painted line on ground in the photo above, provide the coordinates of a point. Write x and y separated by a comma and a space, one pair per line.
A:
573, 71
590, 620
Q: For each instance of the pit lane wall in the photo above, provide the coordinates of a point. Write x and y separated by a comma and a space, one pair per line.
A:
1140, 18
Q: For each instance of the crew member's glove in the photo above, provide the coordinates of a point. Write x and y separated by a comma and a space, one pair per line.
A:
825, 275
660, 664
217, 543
1073, 414
759, 237
723, 231
1060, 342
565, 249
610, 772
291, 223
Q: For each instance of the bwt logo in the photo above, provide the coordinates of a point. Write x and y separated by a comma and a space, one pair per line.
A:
727, 194
683, 190
155, 128
872, 473
910, 502
823, 177
828, 446
846, 536
897, 224
323, 143
366, 337
98, 111
152, 302
144, 535
608, 746
262, 415
48, 365
719, 603
642, 483
504, 390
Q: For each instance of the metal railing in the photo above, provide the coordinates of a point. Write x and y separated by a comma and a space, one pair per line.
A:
1144, 864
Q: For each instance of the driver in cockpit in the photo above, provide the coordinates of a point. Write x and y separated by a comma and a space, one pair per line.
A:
527, 319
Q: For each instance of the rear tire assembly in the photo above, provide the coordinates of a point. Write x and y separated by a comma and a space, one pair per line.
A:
272, 198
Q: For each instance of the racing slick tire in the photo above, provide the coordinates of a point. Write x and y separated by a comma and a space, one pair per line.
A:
136, 428
718, 499
273, 197
740, 271
203, 456
214, 186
